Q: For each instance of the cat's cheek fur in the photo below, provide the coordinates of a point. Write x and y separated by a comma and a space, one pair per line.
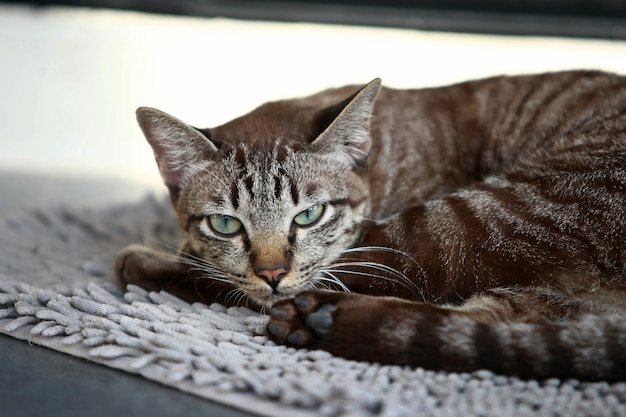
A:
221, 253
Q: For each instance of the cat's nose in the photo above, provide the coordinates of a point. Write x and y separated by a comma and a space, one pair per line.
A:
272, 275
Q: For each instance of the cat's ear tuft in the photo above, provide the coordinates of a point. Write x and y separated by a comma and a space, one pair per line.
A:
178, 148
349, 132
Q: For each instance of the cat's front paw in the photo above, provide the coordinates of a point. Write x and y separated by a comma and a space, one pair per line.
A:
333, 321
304, 320
131, 264
145, 267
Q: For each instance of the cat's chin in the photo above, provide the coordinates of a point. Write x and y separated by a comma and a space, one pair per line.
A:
268, 301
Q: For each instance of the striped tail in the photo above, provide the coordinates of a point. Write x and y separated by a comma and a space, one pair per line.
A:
590, 348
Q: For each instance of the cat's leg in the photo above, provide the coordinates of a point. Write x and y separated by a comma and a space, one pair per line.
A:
159, 271
478, 335
366, 327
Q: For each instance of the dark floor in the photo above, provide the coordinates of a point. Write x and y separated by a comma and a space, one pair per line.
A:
35, 381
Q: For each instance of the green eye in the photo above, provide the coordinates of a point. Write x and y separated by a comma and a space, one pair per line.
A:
309, 216
225, 225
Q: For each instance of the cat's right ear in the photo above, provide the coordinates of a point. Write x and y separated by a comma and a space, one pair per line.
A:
179, 149
348, 135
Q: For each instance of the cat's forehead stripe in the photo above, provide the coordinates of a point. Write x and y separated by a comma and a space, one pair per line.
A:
278, 186
234, 196
293, 190
240, 155
248, 183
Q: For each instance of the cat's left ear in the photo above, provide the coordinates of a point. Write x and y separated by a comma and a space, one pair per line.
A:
349, 132
179, 149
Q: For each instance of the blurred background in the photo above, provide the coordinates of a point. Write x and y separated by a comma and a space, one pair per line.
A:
73, 72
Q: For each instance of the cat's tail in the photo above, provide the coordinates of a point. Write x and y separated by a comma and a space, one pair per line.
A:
591, 348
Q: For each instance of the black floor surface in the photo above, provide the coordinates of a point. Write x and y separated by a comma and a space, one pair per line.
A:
36, 381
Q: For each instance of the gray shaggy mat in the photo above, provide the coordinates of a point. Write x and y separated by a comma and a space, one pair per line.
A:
57, 290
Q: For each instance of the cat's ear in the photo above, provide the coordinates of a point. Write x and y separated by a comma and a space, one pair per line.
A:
178, 148
349, 132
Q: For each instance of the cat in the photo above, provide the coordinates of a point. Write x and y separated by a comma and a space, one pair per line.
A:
480, 225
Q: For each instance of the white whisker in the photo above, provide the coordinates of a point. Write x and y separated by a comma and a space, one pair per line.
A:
333, 279
234, 296
377, 266
382, 249
410, 285
263, 310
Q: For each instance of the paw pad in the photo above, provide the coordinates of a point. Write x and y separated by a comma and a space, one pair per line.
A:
321, 320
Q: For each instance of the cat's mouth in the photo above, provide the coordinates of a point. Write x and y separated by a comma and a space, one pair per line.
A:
268, 295
266, 301
265, 293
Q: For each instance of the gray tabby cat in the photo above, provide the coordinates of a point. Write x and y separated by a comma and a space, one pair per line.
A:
481, 225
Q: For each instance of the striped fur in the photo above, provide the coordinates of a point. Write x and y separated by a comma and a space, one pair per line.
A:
481, 225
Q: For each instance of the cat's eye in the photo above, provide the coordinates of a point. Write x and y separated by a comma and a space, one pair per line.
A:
309, 216
225, 225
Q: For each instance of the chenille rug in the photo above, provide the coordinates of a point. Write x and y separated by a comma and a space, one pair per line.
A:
57, 290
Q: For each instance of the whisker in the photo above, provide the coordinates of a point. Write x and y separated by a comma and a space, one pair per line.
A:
186, 257
375, 265
196, 281
197, 290
244, 298
198, 263
382, 249
423, 277
319, 284
208, 276
333, 279
206, 272
413, 288
232, 295
214, 274
385, 268
241, 298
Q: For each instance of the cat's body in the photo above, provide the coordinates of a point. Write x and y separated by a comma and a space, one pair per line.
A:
496, 207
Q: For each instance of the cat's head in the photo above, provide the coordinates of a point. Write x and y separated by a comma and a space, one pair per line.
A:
272, 198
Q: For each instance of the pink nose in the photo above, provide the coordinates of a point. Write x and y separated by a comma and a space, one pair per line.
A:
271, 274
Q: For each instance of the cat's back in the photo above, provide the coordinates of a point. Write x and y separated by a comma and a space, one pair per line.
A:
429, 142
